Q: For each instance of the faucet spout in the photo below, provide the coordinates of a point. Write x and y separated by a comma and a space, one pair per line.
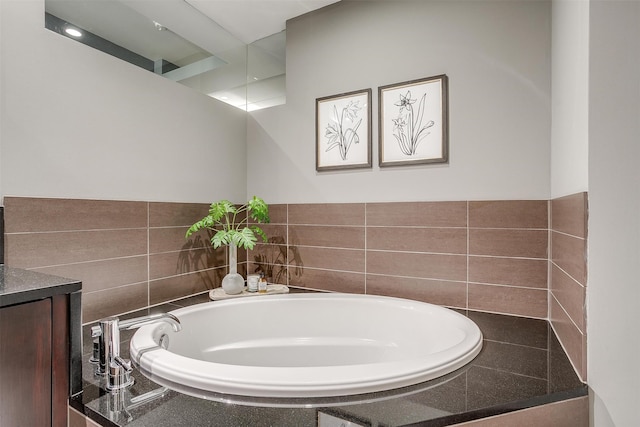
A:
138, 322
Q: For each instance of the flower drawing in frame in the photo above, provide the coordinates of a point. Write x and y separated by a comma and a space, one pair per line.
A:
343, 131
413, 122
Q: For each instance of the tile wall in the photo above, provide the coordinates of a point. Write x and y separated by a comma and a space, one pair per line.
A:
568, 276
129, 255
487, 256
481, 255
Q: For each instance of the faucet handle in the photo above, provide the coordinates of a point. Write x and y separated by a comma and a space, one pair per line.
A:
96, 333
119, 374
123, 363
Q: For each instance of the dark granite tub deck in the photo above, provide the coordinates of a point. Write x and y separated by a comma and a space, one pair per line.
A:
521, 365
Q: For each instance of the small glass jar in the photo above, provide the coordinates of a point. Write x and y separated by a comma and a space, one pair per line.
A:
252, 282
262, 285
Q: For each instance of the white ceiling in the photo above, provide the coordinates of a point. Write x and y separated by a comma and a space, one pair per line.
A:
251, 20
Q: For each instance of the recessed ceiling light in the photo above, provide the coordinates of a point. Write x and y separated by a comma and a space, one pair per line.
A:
73, 32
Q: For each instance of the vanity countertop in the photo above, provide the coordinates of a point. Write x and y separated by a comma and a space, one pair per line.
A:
18, 286
521, 365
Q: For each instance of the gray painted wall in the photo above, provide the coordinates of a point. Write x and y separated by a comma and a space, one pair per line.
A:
614, 212
497, 56
570, 98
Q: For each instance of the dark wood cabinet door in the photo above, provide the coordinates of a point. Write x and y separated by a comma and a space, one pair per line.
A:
25, 364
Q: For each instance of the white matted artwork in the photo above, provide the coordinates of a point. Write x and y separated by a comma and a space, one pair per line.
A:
343, 131
413, 122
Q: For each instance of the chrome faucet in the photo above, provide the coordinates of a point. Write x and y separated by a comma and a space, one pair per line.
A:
106, 350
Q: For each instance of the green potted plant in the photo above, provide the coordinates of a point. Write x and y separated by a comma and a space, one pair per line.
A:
231, 226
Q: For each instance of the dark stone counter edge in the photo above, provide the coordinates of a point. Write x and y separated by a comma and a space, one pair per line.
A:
76, 403
502, 409
34, 294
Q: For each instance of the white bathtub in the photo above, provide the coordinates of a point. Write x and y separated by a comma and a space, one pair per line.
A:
306, 345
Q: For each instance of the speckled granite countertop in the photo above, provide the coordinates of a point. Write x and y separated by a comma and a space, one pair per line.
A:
521, 365
18, 285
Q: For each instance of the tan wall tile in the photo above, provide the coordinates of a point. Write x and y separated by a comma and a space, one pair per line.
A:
570, 294
509, 214
170, 264
440, 292
419, 214
99, 304
568, 266
508, 300
327, 258
168, 239
268, 254
25, 214
331, 237
176, 214
569, 214
409, 264
103, 274
573, 341
328, 280
172, 288
276, 233
277, 213
530, 273
570, 254
275, 273
242, 255
508, 243
436, 240
327, 214
47, 249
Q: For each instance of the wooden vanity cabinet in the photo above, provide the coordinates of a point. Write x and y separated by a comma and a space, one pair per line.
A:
34, 363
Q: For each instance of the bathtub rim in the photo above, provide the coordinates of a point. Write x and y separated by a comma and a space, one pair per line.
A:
297, 382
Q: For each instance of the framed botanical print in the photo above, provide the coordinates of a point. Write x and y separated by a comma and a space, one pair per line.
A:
413, 122
343, 131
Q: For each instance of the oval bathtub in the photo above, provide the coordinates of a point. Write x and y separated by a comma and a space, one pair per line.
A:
306, 345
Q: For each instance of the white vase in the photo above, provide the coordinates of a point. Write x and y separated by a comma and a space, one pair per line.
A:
233, 283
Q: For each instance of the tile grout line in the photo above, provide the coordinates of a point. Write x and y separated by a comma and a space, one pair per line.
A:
566, 313
88, 230
148, 258
562, 343
288, 275
365, 248
468, 250
562, 233
552, 264
549, 237
549, 293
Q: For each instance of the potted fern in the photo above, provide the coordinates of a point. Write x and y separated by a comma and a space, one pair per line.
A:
231, 226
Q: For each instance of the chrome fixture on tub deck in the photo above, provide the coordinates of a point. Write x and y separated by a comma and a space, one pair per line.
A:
106, 346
